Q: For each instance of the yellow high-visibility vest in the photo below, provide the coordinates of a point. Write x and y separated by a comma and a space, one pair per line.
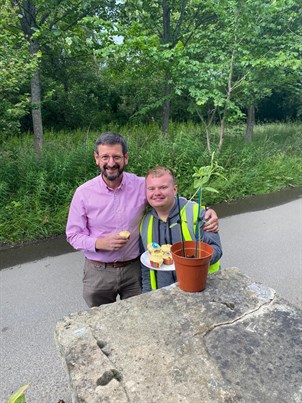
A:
187, 231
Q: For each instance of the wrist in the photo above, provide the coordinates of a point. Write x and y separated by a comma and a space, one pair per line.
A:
98, 244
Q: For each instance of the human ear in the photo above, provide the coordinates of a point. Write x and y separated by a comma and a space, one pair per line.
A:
96, 158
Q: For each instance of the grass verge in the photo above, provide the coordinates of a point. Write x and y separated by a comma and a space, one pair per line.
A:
35, 192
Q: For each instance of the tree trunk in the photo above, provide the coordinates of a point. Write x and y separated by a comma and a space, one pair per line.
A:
166, 107
207, 125
221, 132
225, 111
167, 88
28, 11
35, 87
250, 123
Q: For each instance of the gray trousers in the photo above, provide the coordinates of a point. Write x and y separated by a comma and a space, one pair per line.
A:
103, 284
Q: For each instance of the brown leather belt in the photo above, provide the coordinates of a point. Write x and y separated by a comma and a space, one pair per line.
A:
114, 264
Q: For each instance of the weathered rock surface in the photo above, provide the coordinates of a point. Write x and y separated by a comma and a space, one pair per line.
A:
234, 342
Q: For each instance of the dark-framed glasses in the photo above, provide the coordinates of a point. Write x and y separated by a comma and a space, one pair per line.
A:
106, 158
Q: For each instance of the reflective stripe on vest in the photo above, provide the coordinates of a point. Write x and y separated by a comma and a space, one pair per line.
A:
189, 215
188, 235
214, 267
153, 280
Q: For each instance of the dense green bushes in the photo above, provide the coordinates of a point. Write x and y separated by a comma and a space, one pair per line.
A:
35, 193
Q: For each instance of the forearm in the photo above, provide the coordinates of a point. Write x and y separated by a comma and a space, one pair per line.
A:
79, 240
77, 232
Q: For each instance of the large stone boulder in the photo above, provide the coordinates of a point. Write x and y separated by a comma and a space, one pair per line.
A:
236, 341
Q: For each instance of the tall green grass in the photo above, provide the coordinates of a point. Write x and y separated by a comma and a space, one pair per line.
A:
35, 192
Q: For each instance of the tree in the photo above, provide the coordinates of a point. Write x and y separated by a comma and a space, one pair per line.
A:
238, 58
16, 68
151, 33
54, 27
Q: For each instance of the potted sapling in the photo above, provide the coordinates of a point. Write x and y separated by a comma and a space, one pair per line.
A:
192, 257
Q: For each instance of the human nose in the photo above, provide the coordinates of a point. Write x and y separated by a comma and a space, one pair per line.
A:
111, 160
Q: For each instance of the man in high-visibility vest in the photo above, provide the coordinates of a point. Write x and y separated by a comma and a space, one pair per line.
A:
161, 225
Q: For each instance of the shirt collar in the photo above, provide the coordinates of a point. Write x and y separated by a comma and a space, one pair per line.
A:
109, 189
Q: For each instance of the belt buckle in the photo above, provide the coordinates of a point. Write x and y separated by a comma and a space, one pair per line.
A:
113, 264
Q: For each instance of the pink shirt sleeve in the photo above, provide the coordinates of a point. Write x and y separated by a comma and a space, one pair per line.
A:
78, 234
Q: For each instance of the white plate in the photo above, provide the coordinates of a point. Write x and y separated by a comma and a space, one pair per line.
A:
146, 262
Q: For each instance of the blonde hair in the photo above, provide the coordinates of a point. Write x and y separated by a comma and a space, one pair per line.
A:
160, 171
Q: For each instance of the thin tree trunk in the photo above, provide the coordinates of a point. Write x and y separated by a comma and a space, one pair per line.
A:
27, 9
36, 112
224, 115
250, 123
207, 126
166, 107
167, 87
35, 88
221, 132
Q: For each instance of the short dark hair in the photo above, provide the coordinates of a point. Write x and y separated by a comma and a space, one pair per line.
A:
111, 138
160, 171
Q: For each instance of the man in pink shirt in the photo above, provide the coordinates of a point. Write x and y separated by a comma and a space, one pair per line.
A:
101, 208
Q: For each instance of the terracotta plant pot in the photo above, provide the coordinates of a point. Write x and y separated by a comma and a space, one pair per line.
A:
192, 272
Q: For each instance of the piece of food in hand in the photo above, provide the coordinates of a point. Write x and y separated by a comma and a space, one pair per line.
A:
156, 260
167, 258
125, 234
166, 247
153, 247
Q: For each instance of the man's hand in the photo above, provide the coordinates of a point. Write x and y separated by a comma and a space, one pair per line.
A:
111, 242
211, 219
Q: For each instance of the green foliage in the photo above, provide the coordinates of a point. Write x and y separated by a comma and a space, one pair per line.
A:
19, 396
16, 67
237, 57
36, 38
105, 61
37, 202
35, 193
202, 175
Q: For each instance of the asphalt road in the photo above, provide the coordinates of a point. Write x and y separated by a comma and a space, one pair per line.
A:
266, 245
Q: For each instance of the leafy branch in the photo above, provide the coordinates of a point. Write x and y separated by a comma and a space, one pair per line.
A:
203, 175
19, 396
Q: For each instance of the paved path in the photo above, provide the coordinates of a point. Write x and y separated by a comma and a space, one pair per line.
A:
266, 245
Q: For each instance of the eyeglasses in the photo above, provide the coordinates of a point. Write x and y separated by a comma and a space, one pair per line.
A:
106, 158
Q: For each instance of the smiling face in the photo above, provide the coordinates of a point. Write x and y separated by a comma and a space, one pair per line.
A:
161, 191
111, 161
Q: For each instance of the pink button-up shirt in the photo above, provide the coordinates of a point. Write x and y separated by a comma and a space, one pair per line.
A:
97, 211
